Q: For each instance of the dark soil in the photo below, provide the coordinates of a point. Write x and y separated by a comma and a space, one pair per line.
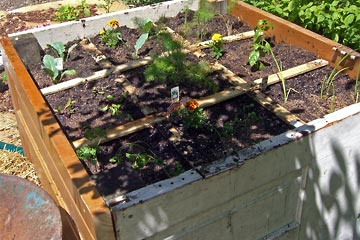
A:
169, 147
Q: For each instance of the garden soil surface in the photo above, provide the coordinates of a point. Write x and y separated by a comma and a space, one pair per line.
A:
189, 150
192, 149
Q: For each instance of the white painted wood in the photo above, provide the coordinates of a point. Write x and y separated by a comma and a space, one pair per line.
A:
87, 27
311, 181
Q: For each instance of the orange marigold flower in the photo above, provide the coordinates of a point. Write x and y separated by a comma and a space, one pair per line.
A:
113, 23
191, 105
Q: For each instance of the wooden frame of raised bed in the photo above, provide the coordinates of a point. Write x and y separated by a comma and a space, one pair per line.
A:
236, 199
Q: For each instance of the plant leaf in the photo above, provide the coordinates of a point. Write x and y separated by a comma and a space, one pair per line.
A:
50, 66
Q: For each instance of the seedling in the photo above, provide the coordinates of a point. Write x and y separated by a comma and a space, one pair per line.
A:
94, 133
3, 77
98, 91
138, 159
328, 84
174, 68
145, 26
88, 153
260, 48
51, 67
59, 49
356, 87
67, 109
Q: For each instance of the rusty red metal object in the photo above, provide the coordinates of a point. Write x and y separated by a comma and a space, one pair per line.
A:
27, 211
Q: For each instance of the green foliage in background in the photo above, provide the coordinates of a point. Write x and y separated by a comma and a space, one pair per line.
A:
337, 20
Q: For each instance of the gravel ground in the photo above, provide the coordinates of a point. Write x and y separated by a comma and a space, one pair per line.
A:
6, 5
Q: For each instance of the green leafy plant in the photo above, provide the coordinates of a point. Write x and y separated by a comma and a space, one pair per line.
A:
137, 3
67, 108
260, 48
174, 68
88, 153
112, 36
146, 26
337, 20
191, 115
106, 5
138, 154
328, 85
205, 12
69, 13
50, 66
113, 108
93, 133
59, 49
216, 45
356, 87
3, 77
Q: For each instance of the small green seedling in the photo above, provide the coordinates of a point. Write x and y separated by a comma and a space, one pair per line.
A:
145, 27
260, 48
3, 77
59, 49
88, 153
51, 67
67, 109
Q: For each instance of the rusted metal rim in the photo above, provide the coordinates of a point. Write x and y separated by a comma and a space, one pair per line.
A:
27, 211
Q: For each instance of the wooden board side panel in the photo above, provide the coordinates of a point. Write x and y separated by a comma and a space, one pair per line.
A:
61, 173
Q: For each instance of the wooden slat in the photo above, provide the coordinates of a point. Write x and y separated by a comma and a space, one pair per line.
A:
122, 130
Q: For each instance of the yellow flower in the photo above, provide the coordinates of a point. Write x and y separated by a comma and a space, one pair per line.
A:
113, 23
102, 31
191, 105
216, 37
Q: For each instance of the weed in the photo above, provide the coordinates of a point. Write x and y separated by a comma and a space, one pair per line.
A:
94, 133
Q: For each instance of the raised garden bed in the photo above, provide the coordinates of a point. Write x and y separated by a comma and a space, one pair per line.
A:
148, 158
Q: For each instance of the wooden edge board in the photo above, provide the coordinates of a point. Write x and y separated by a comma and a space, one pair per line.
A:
292, 72
97, 75
226, 39
121, 130
109, 69
241, 87
40, 123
